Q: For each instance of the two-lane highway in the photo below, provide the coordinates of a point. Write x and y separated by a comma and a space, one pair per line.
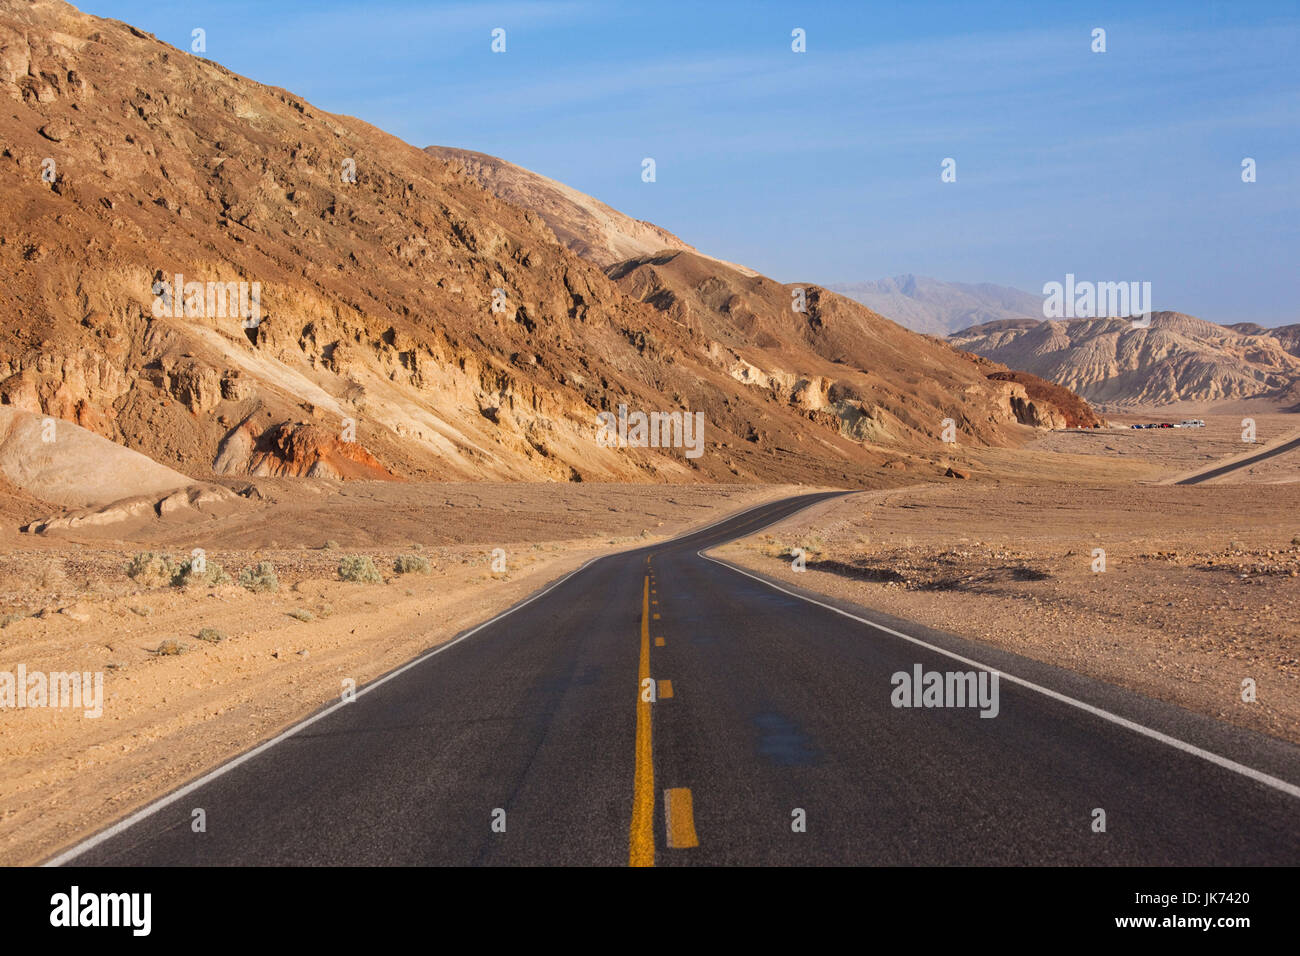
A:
659, 707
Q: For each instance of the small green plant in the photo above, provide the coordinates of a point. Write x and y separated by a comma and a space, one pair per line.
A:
211, 635
151, 570
411, 564
300, 614
360, 568
260, 578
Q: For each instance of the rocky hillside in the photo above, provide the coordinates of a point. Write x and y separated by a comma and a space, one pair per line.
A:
399, 319
838, 363
1179, 358
1288, 336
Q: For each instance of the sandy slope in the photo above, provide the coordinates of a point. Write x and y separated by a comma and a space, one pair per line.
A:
68, 465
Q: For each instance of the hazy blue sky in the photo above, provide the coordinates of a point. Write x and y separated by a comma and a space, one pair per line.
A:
824, 166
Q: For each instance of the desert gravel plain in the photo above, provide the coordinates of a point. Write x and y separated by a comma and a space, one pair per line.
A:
1201, 586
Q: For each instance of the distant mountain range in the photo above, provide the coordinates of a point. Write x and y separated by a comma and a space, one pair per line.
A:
1179, 358
935, 307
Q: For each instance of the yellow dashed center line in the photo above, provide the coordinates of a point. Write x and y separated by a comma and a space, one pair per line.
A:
642, 836
659, 642
665, 689
679, 819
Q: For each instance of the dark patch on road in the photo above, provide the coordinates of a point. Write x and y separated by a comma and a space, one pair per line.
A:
781, 742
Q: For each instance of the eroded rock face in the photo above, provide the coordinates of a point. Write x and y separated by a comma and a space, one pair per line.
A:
75, 384
1029, 412
1026, 411
1176, 358
305, 450
1043, 404
196, 386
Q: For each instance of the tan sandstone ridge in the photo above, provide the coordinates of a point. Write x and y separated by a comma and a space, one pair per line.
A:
583, 224
1178, 360
378, 353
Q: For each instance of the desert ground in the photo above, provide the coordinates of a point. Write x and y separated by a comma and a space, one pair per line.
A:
1177, 452
1200, 586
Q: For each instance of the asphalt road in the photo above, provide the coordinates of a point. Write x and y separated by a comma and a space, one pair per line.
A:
1245, 463
531, 741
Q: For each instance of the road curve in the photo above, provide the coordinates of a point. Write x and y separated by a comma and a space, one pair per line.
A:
770, 738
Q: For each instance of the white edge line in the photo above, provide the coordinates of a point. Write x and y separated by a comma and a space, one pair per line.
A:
125, 824
1257, 775
207, 778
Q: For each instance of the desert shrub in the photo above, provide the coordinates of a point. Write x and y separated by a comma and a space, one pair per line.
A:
170, 649
331, 545
300, 614
360, 568
260, 578
151, 570
211, 635
212, 575
411, 564
13, 618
